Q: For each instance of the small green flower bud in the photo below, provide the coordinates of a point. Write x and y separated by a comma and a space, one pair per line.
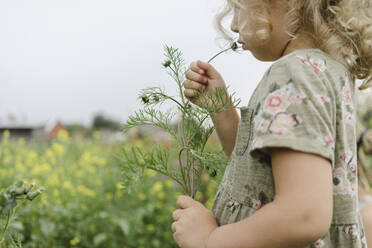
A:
167, 63
145, 99
234, 46
19, 183
3, 198
28, 188
34, 194
19, 191
156, 98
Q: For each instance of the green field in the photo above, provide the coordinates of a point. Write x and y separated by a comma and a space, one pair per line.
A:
84, 204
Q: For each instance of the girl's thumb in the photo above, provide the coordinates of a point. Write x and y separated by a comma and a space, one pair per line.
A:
209, 69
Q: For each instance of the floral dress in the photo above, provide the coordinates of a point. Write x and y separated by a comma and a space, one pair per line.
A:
304, 102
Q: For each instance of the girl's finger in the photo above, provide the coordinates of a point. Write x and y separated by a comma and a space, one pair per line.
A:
194, 67
176, 214
193, 85
210, 71
191, 75
174, 227
191, 93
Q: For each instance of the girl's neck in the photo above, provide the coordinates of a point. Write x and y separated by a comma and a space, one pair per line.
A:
302, 41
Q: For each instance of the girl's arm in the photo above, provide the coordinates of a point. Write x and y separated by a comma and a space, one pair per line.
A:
226, 124
300, 214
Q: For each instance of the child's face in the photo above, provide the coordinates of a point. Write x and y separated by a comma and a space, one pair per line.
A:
271, 49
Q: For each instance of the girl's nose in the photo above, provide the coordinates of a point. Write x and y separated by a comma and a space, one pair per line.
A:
234, 26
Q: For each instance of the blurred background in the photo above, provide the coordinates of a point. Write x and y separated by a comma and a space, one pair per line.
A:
70, 75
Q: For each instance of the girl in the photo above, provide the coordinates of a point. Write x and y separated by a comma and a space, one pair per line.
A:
365, 179
291, 180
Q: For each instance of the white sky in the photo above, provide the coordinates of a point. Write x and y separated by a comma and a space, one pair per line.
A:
69, 59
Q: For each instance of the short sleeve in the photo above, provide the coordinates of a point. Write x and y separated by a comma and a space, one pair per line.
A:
298, 110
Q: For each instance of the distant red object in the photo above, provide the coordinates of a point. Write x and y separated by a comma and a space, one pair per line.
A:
54, 132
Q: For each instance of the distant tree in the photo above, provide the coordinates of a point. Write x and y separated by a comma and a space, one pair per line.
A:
77, 129
102, 122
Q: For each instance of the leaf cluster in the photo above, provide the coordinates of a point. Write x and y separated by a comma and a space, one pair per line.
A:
190, 137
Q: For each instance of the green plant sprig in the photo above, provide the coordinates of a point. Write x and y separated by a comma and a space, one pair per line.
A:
9, 200
191, 134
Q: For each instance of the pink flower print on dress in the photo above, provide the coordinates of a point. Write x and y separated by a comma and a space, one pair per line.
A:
346, 91
319, 65
341, 185
318, 244
256, 204
328, 140
350, 160
261, 124
352, 230
323, 98
282, 122
297, 97
350, 118
276, 102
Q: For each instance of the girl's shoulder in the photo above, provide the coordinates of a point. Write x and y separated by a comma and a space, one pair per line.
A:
311, 65
314, 58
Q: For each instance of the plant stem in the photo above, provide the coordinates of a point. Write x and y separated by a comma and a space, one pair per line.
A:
218, 54
179, 84
172, 177
171, 98
5, 227
182, 169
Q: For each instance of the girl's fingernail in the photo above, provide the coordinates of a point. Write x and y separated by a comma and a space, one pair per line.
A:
201, 71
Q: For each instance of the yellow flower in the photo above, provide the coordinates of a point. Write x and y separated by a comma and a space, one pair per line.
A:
91, 169
63, 136
41, 169
19, 167
67, 185
85, 191
109, 196
7, 160
6, 134
74, 241
58, 149
21, 141
158, 187
96, 135
169, 183
53, 180
119, 186
150, 227
55, 193
79, 174
150, 173
141, 196
161, 195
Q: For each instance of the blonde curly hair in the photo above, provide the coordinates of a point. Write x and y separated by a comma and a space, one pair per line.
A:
341, 28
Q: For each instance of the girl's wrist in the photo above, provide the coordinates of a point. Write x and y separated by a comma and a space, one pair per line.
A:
208, 241
221, 113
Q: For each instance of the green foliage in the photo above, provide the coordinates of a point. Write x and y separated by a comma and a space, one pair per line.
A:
84, 204
102, 122
190, 137
9, 199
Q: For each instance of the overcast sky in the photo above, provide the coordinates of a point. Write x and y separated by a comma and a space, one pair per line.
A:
67, 60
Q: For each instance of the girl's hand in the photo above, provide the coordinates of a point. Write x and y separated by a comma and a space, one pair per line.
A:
193, 223
202, 76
